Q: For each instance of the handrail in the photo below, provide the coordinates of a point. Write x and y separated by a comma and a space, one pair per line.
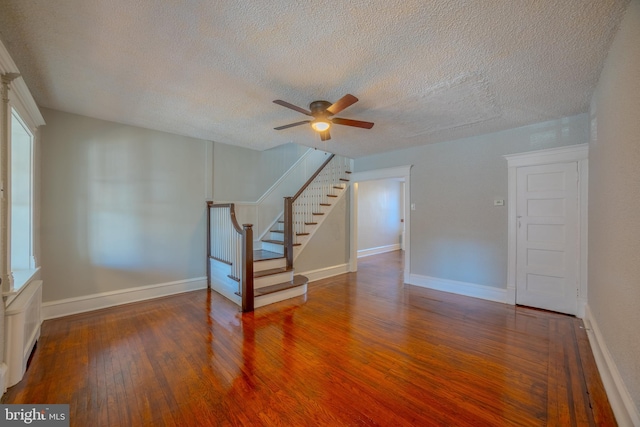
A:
236, 251
310, 180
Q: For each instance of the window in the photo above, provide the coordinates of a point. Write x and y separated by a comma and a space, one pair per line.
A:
19, 121
21, 196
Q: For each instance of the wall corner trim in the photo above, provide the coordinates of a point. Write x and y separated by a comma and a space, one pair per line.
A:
460, 288
625, 410
69, 306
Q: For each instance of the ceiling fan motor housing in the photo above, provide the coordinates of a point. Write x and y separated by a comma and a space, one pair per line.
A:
319, 107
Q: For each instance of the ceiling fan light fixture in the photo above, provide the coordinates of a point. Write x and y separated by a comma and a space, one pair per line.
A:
320, 125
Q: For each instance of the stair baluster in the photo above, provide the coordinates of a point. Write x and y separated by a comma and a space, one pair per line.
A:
228, 243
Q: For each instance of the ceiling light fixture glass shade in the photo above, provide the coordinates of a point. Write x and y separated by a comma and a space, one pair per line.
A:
320, 125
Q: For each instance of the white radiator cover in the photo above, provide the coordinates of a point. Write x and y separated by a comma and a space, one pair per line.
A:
22, 330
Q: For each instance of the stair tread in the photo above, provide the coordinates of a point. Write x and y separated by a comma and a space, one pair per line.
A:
298, 280
344, 179
277, 242
270, 272
325, 204
264, 255
331, 195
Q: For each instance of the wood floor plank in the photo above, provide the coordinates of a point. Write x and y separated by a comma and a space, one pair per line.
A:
360, 349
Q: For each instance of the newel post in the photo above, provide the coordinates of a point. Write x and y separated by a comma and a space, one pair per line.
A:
247, 269
288, 231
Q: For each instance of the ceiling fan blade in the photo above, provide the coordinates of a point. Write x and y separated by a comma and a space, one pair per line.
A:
293, 107
325, 136
341, 104
292, 125
355, 123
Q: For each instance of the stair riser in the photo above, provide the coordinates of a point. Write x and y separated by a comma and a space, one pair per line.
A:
272, 247
261, 301
276, 236
268, 264
273, 279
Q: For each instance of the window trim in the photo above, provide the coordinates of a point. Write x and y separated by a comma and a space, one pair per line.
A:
15, 95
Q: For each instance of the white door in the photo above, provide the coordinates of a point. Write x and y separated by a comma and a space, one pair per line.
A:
548, 237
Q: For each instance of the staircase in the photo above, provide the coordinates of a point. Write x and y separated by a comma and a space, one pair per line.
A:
270, 269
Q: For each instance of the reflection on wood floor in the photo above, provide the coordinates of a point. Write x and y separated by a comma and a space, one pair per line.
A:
360, 349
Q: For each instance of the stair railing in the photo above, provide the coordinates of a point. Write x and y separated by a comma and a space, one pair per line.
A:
231, 244
300, 209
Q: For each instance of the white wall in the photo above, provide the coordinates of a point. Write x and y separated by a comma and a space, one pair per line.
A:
122, 207
380, 209
614, 203
456, 232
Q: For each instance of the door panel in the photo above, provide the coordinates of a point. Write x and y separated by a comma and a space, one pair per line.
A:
547, 239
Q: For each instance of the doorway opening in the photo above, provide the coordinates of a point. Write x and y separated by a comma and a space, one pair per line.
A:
399, 175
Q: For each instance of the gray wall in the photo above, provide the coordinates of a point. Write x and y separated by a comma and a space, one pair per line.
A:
380, 209
329, 246
244, 175
456, 232
121, 206
614, 202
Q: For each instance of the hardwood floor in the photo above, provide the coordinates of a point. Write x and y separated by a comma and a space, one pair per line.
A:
362, 349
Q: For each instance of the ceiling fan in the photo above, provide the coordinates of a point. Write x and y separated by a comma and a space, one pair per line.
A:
322, 112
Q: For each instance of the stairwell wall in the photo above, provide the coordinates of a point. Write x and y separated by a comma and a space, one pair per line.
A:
244, 175
327, 253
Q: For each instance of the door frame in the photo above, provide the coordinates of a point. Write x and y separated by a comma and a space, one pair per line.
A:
575, 153
372, 175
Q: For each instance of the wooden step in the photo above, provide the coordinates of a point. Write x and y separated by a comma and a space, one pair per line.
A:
271, 271
298, 280
278, 242
325, 204
310, 223
263, 255
347, 171
317, 213
344, 180
337, 187
331, 195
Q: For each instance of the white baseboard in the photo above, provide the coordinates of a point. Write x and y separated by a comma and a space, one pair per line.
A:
378, 250
625, 410
323, 273
65, 307
461, 288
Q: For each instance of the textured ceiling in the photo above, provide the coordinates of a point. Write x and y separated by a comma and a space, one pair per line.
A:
425, 71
